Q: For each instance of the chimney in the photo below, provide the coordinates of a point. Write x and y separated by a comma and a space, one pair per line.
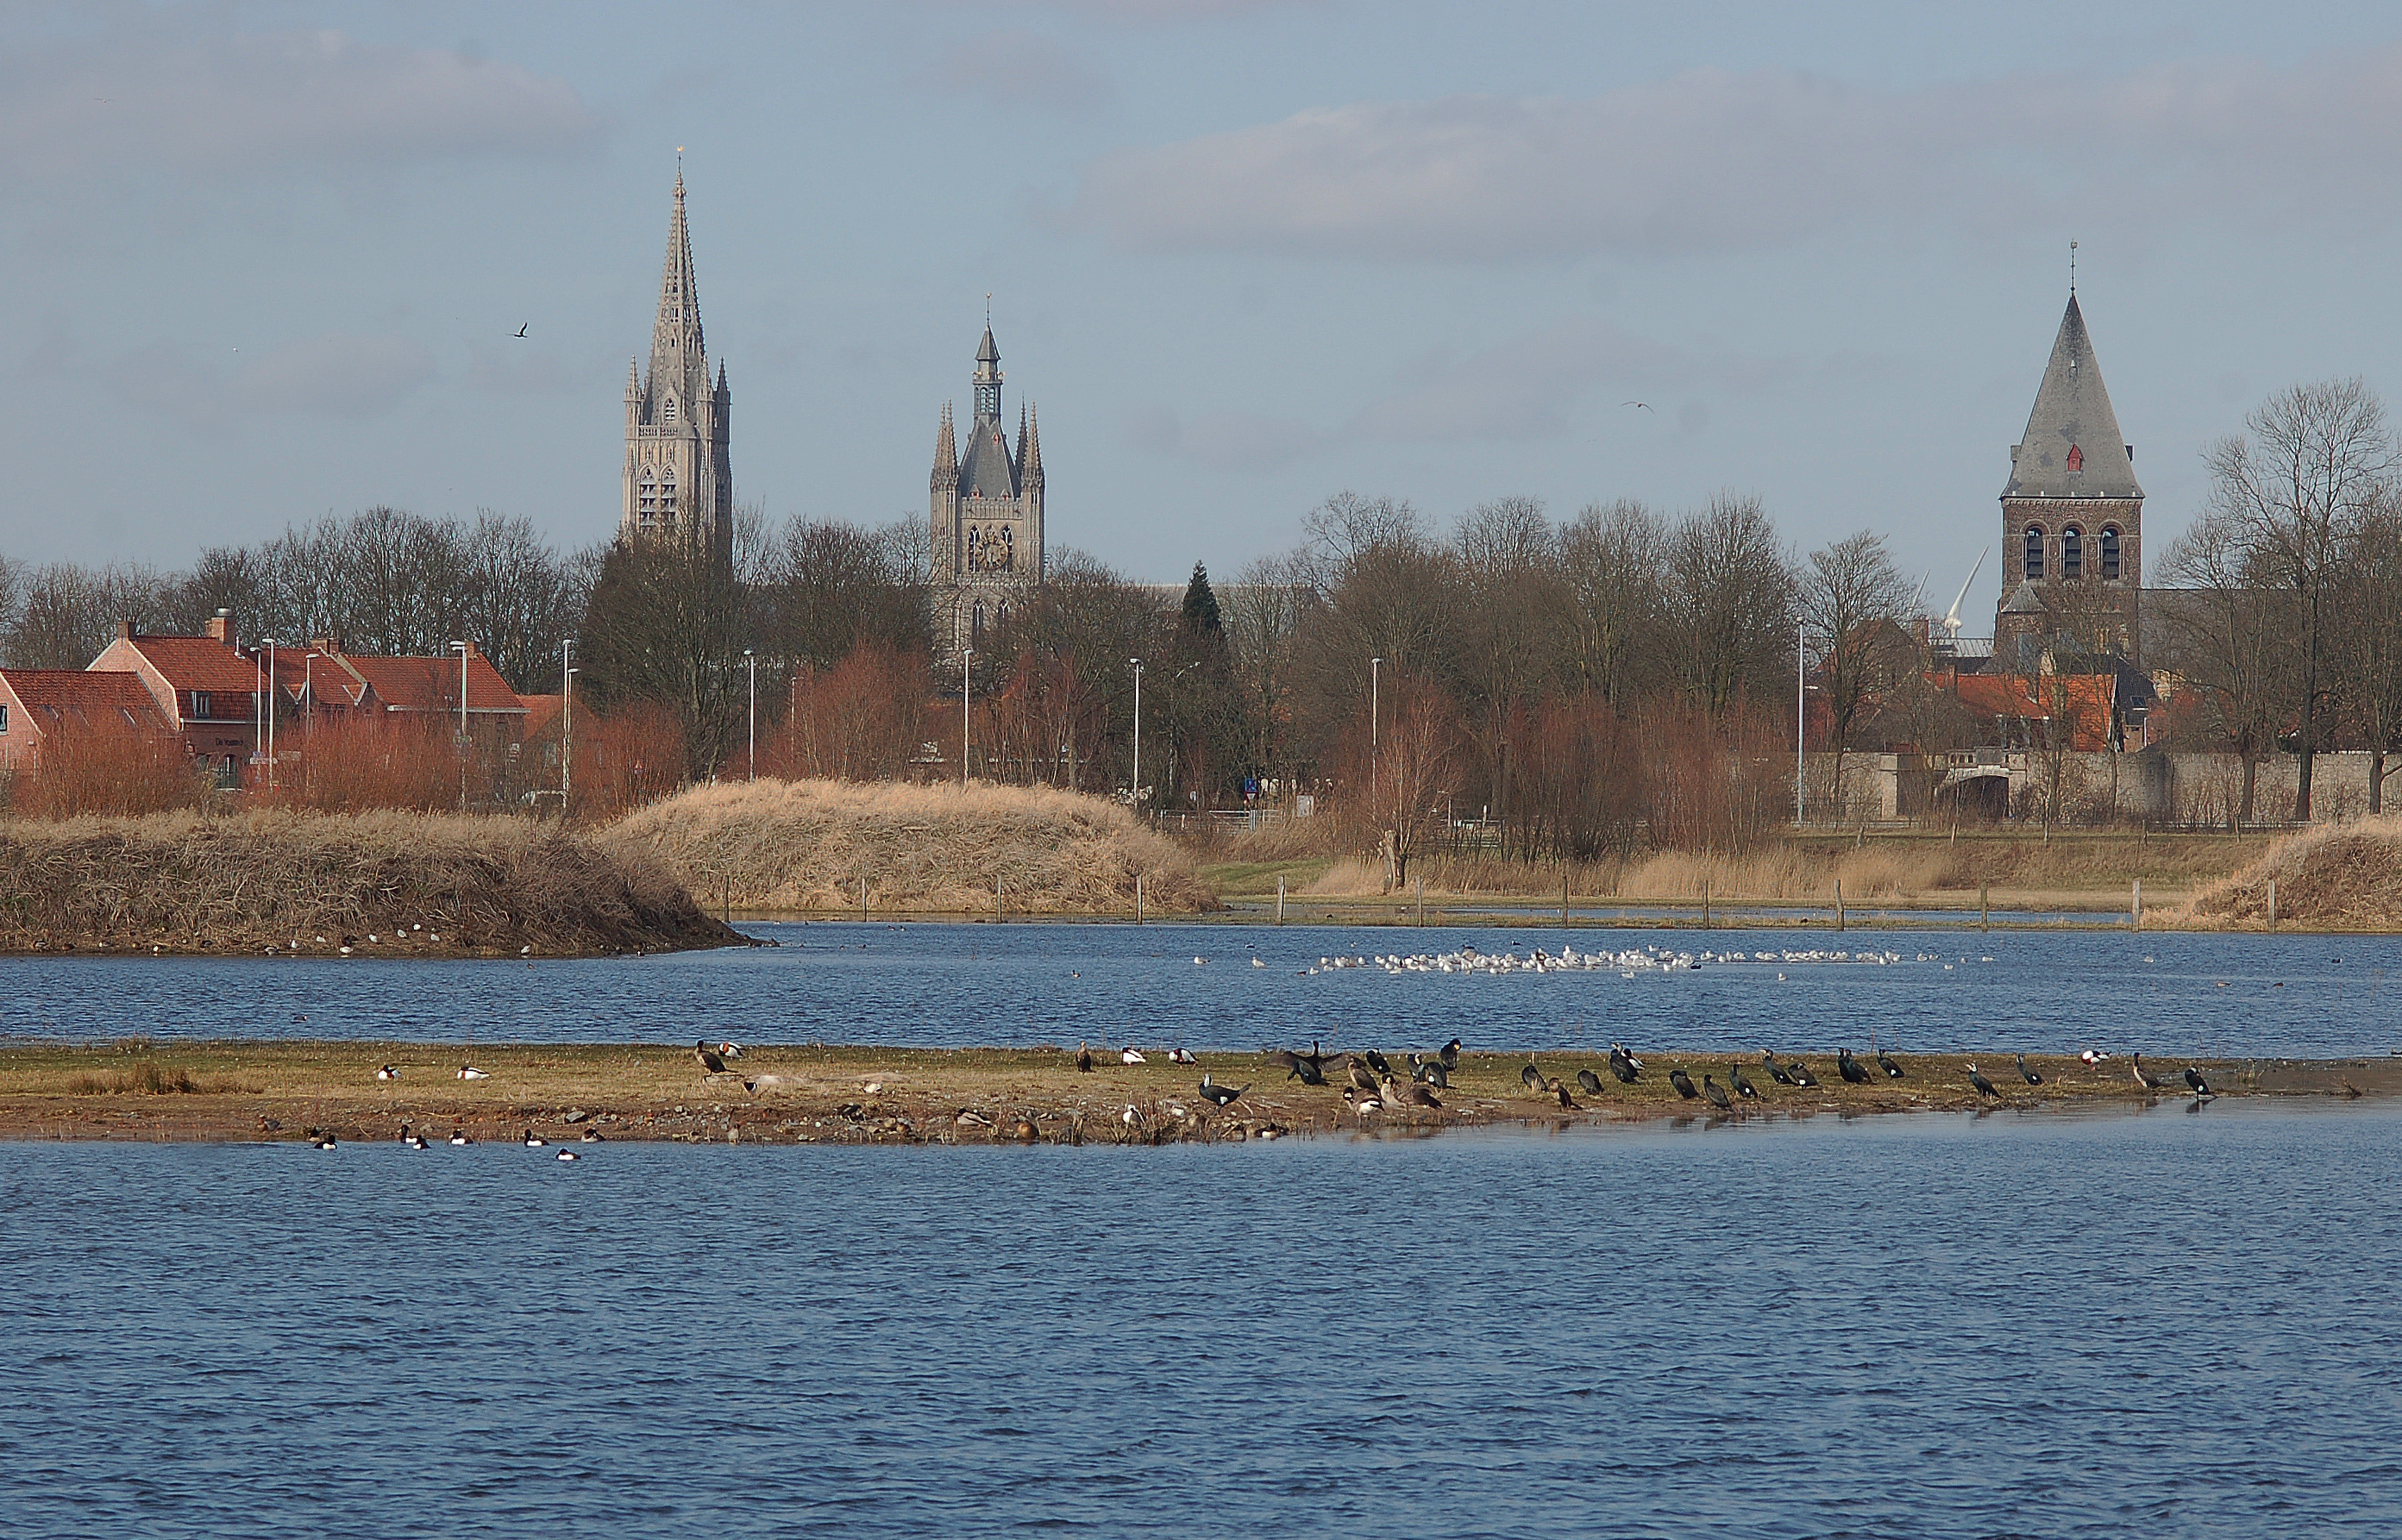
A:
221, 627
125, 630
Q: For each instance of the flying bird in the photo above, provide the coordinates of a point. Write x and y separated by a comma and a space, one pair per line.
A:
521, 331
1645, 405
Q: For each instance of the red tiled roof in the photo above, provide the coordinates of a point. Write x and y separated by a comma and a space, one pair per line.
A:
432, 685
199, 662
2084, 699
542, 713
93, 699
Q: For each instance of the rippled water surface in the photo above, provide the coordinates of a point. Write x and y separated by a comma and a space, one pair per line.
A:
2162, 1324
972, 984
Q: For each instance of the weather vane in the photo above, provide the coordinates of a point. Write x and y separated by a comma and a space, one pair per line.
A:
2072, 267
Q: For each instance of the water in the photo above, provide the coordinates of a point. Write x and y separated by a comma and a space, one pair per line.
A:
948, 985
2167, 1323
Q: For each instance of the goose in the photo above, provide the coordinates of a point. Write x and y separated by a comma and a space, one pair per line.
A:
1588, 1083
1776, 1072
2145, 1078
1084, 1058
1716, 1092
1131, 1054
469, 1072
1984, 1087
387, 1073
1743, 1088
1849, 1067
569, 1155
533, 1140
706, 1057
1684, 1084
1412, 1095
1884, 1062
2201, 1088
1532, 1078
2028, 1075
1221, 1095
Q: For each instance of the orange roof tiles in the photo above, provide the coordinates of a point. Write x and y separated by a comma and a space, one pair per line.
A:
432, 684
92, 700
199, 662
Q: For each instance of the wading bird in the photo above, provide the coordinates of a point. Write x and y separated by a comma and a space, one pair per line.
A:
2028, 1075
1743, 1088
1684, 1084
1716, 1092
1850, 1068
1984, 1087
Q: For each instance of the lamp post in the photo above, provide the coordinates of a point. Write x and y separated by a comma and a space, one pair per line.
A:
965, 654
751, 656
1135, 664
1375, 699
566, 724
460, 648
270, 710
1801, 718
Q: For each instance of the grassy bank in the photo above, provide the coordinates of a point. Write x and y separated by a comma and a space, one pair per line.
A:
2346, 877
313, 884
807, 846
239, 1091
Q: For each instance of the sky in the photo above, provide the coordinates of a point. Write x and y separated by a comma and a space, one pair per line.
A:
263, 262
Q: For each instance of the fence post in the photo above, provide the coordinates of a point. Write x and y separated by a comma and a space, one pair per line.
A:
1137, 898
1984, 909
2136, 916
995, 895
863, 897
1705, 903
1421, 898
1839, 903
1564, 896
1279, 901
2273, 904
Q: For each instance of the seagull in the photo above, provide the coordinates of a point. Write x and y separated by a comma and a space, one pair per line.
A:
1645, 405
707, 1059
521, 330
1984, 1087
469, 1072
1256, 963
1131, 1054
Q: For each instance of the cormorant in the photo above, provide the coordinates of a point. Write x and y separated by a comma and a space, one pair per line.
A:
1588, 1083
1984, 1087
2029, 1075
1532, 1078
1801, 1074
1221, 1095
1376, 1062
1622, 1065
2145, 1078
2199, 1087
1884, 1062
1684, 1084
707, 1058
1776, 1072
1449, 1054
1305, 1072
1716, 1092
1849, 1067
1741, 1087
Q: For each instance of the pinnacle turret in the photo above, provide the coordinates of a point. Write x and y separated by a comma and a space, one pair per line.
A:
947, 453
1029, 452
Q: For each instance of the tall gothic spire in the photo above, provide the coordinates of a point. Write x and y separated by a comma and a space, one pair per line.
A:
947, 453
1029, 456
679, 356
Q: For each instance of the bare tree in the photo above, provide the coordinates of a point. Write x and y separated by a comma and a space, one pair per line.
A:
2227, 635
2314, 459
1262, 620
1614, 561
1513, 603
1854, 600
1731, 601
2369, 602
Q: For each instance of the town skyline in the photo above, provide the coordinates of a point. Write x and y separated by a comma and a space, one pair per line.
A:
1206, 386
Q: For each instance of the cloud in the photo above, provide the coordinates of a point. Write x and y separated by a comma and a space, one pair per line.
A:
331, 374
1713, 161
1017, 68
269, 101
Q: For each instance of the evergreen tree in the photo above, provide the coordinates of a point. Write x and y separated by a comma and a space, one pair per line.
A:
1200, 602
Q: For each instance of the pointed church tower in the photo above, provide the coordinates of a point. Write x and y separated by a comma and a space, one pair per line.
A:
677, 477
2072, 512
986, 503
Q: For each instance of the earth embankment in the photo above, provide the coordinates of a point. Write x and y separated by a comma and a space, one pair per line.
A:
808, 845
2341, 877
312, 884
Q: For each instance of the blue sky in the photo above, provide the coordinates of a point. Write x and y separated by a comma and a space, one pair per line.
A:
264, 260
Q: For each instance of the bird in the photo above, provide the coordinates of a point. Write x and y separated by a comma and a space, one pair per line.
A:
1084, 1059
469, 1072
1884, 1062
1221, 1095
533, 1140
569, 1155
1801, 1074
1849, 1067
2028, 1075
521, 331
1433, 1073
1256, 963
2145, 1078
1412, 1095
1588, 1083
459, 1136
1281, 1058
589, 1136
1316, 1058
731, 1050
1181, 1056
2201, 1088
706, 1057
1716, 1092
1305, 1072
1532, 1078
1131, 1054
322, 1141
1743, 1088
1359, 1075
1376, 1062
414, 1141
1622, 1064
1684, 1084
1360, 1103
1449, 1054
1776, 1072
1984, 1087
1645, 405
387, 1073
2093, 1057
1555, 1088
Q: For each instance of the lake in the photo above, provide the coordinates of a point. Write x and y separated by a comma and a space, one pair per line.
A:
1004, 984
2167, 1323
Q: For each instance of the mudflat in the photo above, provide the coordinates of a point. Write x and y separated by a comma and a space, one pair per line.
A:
246, 1091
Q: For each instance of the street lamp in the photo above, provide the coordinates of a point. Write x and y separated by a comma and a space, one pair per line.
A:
752, 657
566, 723
965, 654
460, 648
1375, 695
1801, 718
1137, 665
269, 642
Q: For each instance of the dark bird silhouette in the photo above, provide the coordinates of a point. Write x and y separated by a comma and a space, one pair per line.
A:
1644, 404
1588, 1083
1316, 1058
1741, 1087
1684, 1084
1850, 1068
1631, 1059
1532, 1078
2145, 1078
1359, 1076
1801, 1074
1282, 1058
1884, 1062
707, 1058
1305, 1072
1221, 1095
1716, 1092
521, 330
1376, 1062
1984, 1087
2199, 1087
1555, 1088
1776, 1072
1433, 1073
2028, 1075
1084, 1058
1622, 1065
1449, 1054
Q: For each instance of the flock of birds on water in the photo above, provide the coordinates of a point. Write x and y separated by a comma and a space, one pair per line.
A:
1567, 959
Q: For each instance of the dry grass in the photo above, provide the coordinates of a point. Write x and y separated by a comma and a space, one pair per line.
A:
147, 1077
804, 846
2342, 877
377, 883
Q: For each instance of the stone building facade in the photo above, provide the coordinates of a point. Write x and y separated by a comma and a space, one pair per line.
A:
677, 477
2072, 514
985, 502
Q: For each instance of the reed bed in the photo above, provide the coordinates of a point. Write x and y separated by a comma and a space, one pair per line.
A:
807, 846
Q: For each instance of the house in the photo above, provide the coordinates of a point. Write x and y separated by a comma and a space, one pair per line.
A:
36, 704
209, 690
425, 689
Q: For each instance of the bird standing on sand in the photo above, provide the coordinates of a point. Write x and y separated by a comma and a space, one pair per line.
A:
1800, 1073
1360, 1103
1743, 1088
1684, 1084
1221, 1095
707, 1059
1984, 1087
1434, 1074
1359, 1075
1084, 1058
1449, 1054
2028, 1075
1412, 1095
1850, 1068
1532, 1078
1776, 1072
2145, 1078
1622, 1064
2199, 1087
1588, 1083
1716, 1093
1884, 1062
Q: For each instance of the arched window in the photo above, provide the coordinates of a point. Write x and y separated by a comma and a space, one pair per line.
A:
2109, 552
2034, 562
667, 494
975, 624
649, 506
671, 416
2072, 553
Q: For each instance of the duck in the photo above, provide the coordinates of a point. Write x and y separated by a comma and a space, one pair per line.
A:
1131, 1054
533, 1140
569, 1155
2093, 1057
459, 1136
1984, 1087
388, 1072
469, 1072
729, 1051
589, 1136
1183, 1055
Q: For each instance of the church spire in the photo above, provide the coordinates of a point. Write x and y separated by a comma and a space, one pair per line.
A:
947, 453
988, 380
679, 356
1030, 467
2072, 446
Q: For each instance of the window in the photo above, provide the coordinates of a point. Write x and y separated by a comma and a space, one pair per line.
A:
2033, 563
3, 718
2076, 459
2109, 552
199, 704
650, 502
670, 409
668, 495
975, 624
2072, 553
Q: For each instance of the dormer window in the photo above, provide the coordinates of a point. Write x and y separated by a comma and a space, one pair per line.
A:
2076, 457
199, 706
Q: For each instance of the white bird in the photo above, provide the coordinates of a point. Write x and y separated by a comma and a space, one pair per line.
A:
1132, 1116
325, 1143
569, 1155
1256, 963
469, 1072
1196, 962
415, 1141
533, 1140
1181, 1055
1132, 1055
459, 1137
731, 1050
387, 1073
